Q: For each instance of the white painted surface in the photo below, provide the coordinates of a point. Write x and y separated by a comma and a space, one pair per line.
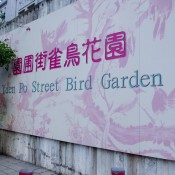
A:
70, 158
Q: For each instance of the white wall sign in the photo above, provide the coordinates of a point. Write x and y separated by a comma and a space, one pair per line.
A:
97, 73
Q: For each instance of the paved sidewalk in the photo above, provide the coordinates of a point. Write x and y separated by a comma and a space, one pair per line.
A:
10, 166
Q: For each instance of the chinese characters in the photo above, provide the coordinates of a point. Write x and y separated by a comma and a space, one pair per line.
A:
115, 47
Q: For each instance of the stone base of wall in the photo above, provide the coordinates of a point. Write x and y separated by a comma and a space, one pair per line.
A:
72, 159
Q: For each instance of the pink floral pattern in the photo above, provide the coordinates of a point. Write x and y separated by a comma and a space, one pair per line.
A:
118, 119
159, 12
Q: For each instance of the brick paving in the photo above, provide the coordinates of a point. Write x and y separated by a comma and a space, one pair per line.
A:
11, 166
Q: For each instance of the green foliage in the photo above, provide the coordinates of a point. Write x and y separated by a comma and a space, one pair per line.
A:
6, 55
2, 16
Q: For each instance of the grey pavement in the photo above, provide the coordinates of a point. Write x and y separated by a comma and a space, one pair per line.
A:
11, 166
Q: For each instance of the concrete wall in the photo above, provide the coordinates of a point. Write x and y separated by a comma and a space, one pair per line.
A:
71, 159
66, 158
42, 9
